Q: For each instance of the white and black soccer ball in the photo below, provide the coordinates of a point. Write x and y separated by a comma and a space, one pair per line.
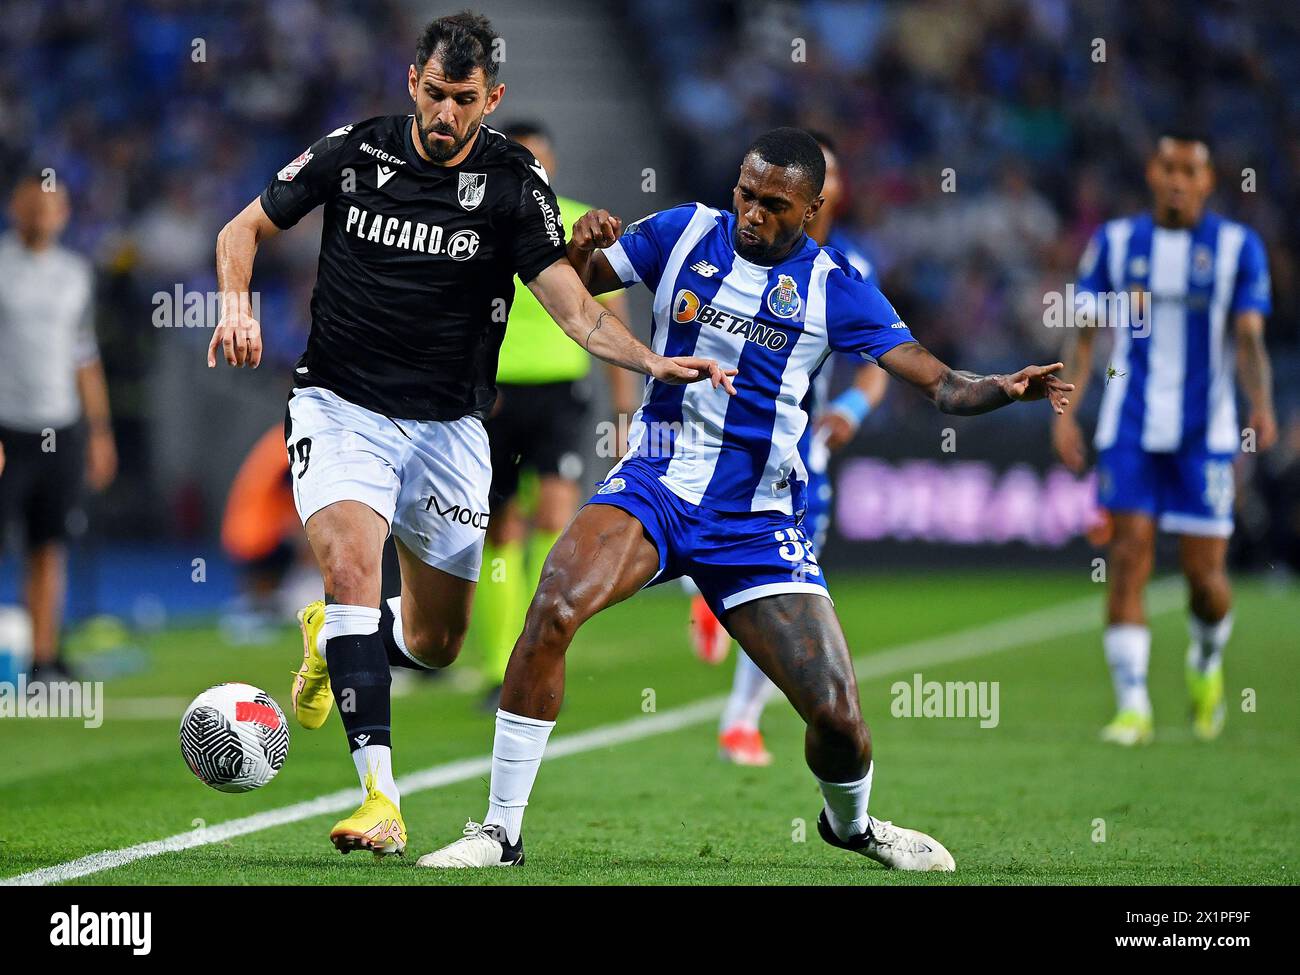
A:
234, 737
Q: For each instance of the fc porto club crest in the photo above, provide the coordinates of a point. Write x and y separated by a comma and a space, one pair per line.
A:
1202, 265
612, 486
783, 300
471, 189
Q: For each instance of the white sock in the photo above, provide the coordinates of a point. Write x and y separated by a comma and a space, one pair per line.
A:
1208, 641
516, 757
1128, 649
750, 692
379, 760
344, 620
846, 804
399, 637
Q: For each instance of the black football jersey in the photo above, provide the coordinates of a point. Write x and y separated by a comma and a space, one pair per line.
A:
417, 264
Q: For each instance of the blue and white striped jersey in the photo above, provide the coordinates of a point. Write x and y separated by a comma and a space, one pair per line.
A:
776, 325
1172, 386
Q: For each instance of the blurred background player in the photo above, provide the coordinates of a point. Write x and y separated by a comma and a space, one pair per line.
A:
262, 536
54, 417
739, 737
539, 427
1168, 430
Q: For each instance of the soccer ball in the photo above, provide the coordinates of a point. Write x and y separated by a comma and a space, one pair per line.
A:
234, 737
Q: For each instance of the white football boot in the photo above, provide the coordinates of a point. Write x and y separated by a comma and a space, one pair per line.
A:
895, 846
481, 846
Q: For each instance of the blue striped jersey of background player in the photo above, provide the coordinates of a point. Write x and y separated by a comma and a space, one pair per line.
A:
816, 455
776, 325
1172, 388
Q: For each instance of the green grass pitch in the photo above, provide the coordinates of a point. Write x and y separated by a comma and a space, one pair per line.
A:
1036, 799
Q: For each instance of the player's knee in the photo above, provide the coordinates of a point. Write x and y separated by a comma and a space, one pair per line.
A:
1205, 580
553, 617
1130, 562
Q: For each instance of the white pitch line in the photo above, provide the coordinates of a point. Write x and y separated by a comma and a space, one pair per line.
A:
1041, 626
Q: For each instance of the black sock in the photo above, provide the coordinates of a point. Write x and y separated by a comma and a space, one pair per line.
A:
360, 678
395, 656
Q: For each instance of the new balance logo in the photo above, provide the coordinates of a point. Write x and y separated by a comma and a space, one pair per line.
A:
704, 268
385, 174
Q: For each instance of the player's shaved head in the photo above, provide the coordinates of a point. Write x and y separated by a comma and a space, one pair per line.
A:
795, 149
1181, 177
777, 194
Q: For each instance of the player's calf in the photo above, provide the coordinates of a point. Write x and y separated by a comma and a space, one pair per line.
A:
426, 645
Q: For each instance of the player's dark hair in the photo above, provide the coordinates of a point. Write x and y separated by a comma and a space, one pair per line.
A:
1185, 133
27, 174
526, 129
462, 42
789, 146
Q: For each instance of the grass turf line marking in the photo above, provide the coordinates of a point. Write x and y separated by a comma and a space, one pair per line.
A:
1064, 619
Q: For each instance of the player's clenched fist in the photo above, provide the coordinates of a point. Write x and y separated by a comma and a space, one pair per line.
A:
596, 229
239, 337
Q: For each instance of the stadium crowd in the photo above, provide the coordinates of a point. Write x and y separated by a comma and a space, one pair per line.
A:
982, 143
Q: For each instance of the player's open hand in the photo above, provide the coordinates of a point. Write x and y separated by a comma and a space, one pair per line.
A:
1037, 382
239, 337
595, 229
684, 369
835, 429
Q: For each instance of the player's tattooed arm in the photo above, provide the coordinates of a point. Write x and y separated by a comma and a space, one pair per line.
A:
1256, 377
600, 332
239, 334
966, 393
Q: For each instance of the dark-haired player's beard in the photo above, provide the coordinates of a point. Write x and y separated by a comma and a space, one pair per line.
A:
440, 152
762, 253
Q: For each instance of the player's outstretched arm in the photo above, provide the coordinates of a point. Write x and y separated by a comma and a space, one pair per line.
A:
599, 331
239, 334
964, 393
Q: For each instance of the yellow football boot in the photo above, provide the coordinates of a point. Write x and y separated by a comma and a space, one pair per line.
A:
312, 696
377, 826
1208, 710
1129, 728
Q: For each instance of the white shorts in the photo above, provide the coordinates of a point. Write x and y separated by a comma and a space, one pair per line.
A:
429, 479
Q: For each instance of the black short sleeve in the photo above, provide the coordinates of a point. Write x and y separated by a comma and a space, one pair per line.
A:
538, 240
306, 182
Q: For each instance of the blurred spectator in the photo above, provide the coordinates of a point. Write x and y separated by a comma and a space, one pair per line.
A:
54, 418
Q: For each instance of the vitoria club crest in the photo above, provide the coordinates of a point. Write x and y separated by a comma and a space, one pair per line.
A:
783, 300
470, 192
